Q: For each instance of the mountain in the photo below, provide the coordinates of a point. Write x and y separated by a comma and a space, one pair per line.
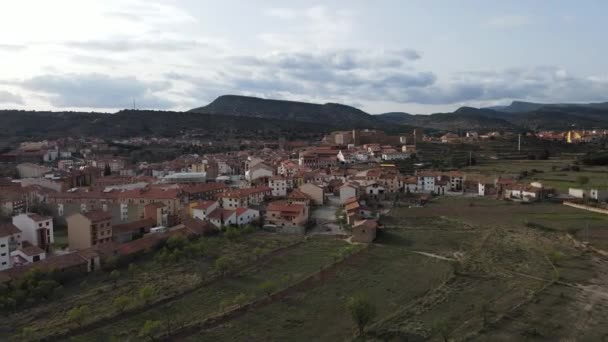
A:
524, 107
329, 113
461, 119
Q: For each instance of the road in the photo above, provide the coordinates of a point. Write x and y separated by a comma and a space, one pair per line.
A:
325, 216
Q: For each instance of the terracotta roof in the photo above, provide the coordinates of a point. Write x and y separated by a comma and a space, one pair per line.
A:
299, 194
246, 192
204, 204
149, 241
7, 229
98, 215
132, 226
369, 224
285, 207
240, 211
351, 206
217, 214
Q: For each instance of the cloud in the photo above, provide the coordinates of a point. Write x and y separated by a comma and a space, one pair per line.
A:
12, 47
126, 45
510, 21
8, 97
98, 91
281, 13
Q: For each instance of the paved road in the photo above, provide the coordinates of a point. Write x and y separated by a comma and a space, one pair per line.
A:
325, 216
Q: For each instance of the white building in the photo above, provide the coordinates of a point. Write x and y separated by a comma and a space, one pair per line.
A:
10, 240
278, 184
203, 208
346, 157
426, 182
246, 215
395, 156
185, 177
258, 171
27, 255
36, 229
348, 191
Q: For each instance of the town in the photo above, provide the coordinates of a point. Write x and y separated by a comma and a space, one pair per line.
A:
75, 207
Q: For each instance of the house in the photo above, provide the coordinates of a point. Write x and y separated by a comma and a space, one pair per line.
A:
364, 231
27, 255
10, 240
456, 181
347, 191
203, 208
89, 229
75, 263
351, 209
450, 138
158, 212
299, 197
221, 217
36, 229
197, 227
278, 184
486, 188
259, 173
375, 190
410, 184
244, 197
314, 191
283, 214
426, 181
246, 216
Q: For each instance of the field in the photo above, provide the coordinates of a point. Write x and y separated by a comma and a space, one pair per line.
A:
551, 174
457, 269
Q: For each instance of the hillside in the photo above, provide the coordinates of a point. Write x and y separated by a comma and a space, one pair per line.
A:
523, 107
461, 119
26, 124
329, 113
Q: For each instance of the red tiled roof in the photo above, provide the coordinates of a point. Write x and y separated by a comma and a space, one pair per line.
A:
285, 207
204, 204
217, 214
7, 229
199, 227
242, 193
299, 194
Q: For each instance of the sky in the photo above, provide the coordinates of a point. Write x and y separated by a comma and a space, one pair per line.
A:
381, 56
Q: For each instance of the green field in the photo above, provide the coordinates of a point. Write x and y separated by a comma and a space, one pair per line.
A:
284, 269
551, 174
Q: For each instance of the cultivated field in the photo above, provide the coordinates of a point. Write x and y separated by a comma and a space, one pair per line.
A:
457, 269
551, 172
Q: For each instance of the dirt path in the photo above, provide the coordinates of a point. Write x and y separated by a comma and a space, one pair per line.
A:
435, 256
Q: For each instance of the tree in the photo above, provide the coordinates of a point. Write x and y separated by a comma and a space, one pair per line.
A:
223, 264
121, 302
362, 311
258, 252
268, 287
146, 293
582, 180
77, 314
150, 329
114, 276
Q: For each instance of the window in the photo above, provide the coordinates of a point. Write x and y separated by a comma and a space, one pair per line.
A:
47, 224
2, 245
3, 254
4, 263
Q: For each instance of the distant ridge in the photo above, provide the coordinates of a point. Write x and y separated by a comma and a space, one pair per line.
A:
330, 113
